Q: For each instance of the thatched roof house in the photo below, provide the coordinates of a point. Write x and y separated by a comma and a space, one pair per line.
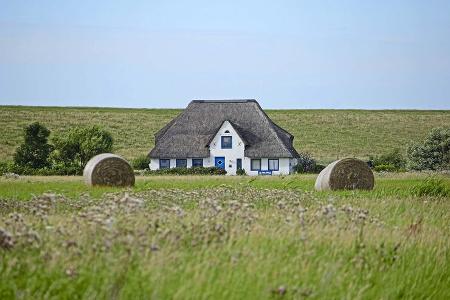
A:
238, 132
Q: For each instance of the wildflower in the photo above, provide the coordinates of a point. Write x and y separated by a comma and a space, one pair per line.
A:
281, 290
71, 272
6, 239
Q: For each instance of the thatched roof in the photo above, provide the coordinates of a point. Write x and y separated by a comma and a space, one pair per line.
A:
190, 133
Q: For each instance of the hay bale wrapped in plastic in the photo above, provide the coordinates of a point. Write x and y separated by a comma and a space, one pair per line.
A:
108, 169
345, 174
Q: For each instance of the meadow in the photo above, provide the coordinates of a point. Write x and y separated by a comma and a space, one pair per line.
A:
226, 237
326, 134
216, 237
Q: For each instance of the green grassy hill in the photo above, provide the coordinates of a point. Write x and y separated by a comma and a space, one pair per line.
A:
326, 134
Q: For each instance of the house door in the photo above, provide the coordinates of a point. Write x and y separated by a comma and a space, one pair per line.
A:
239, 164
220, 162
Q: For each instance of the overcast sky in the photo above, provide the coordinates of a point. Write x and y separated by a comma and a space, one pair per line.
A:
286, 54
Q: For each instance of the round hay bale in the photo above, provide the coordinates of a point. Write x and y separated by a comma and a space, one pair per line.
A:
108, 169
345, 174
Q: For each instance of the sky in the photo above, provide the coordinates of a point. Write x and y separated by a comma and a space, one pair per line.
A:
286, 54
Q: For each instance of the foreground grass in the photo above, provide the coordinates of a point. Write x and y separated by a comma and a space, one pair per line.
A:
225, 242
327, 134
392, 185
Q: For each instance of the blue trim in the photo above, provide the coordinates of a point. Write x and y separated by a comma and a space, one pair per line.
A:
278, 164
166, 167
265, 172
198, 160
230, 146
181, 163
219, 162
251, 165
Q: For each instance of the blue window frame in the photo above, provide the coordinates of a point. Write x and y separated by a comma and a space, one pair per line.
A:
274, 164
197, 162
227, 142
255, 165
164, 163
181, 163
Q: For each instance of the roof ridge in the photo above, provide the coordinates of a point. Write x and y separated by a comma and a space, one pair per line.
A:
223, 101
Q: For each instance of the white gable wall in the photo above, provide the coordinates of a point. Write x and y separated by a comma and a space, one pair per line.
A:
231, 155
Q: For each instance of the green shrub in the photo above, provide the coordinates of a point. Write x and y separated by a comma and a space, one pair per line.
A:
385, 168
433, 153
75, 147
318, 168
389, 162
240, 172
141, 162
35, 150
4, 167
187, 171
431, 186
305, 163
46, 171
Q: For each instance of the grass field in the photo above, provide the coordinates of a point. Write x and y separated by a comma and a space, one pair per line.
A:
203, 237
326, 134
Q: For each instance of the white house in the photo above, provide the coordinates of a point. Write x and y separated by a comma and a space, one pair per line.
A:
228, 134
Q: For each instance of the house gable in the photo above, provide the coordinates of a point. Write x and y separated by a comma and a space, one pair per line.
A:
227, 130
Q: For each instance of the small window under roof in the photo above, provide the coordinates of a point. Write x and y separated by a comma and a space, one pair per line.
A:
227, 131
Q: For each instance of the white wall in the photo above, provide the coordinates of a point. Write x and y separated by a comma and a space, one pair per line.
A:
231, 155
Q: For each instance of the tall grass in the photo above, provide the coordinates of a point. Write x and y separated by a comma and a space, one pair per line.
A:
225, 243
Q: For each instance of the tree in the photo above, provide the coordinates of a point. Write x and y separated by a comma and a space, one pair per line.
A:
79, 144
433, 153
35, 150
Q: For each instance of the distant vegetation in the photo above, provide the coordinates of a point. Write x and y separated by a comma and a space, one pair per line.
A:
67, 154
433, 153
325, 134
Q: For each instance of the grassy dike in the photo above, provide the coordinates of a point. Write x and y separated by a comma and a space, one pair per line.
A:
326, 134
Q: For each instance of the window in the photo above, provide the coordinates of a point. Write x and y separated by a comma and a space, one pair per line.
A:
227, 131
181, 163
239, 164
273, 164
255, 165
164, 163
197, 162
227, 142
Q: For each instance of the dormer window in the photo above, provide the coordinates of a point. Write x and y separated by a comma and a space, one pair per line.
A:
227, 142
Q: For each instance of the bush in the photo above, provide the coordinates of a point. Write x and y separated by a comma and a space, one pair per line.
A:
385, 168
433, 153
35, 150
4, 167
75, 147
240, 172
46, 171
318, 168
141, 162
305, 164
389, 162
431, 186
188, 171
